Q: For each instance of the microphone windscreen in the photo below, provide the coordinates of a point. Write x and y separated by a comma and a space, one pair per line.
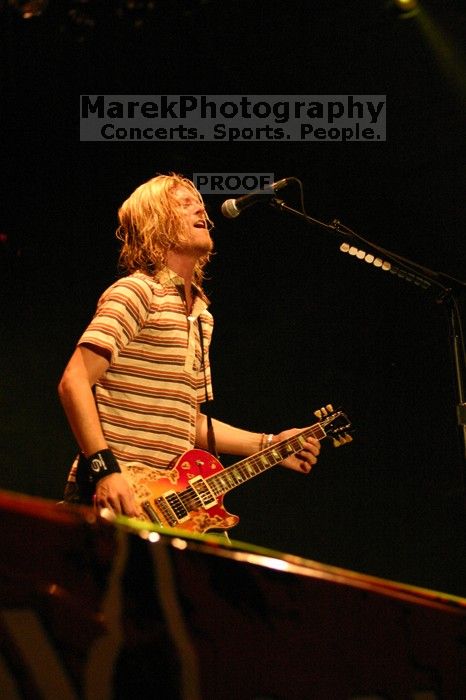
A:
229, 209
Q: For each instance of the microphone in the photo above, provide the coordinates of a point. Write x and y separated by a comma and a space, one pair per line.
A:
231, 208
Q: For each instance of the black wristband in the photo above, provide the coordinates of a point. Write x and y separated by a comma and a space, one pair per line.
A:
100, 464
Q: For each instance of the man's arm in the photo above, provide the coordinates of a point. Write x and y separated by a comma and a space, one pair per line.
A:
235, 441
75, 390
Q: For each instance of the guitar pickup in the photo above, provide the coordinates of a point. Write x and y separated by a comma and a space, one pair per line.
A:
173, 508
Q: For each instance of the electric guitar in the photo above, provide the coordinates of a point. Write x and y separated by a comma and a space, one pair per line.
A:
189, 495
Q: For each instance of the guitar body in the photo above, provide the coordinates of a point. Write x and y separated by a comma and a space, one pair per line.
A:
180, 497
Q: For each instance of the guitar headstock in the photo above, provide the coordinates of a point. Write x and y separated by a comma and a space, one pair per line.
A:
335, 423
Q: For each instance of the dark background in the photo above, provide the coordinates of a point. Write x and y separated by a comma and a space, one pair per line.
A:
298, 324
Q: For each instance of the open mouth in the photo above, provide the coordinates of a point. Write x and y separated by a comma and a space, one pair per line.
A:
200, 224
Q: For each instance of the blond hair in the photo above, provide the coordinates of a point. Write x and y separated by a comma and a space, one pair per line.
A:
150, 226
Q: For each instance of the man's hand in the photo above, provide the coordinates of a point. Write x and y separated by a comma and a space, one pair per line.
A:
114, 492
304, 460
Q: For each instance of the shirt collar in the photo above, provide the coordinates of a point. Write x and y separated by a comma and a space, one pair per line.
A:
168, 276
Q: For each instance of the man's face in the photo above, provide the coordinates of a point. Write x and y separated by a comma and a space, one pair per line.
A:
197, 234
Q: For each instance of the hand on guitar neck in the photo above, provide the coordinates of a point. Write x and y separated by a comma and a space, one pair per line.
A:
306, 458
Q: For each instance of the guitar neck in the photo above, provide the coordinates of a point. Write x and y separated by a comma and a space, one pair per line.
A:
238, 473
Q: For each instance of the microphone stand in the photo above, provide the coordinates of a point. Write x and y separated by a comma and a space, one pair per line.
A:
448, 291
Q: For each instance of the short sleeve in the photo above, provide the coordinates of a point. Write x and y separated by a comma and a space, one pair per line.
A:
121, 312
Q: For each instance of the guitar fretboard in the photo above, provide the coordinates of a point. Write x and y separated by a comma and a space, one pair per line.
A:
238, 473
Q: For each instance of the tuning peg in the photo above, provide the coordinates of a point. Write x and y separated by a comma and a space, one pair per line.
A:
318, 414
324, 411
342, 440
329, 408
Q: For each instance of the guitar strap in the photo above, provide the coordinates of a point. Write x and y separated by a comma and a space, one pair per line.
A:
210, 428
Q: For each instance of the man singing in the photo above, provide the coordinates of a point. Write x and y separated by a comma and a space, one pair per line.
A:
133, 387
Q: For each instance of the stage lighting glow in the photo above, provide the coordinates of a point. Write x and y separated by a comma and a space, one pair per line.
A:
404, 9
29, 8
405, 5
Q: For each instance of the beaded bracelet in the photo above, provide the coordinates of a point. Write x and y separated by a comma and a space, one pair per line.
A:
266, 440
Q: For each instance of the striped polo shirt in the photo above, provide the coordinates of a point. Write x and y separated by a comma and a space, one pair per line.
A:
149, 396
